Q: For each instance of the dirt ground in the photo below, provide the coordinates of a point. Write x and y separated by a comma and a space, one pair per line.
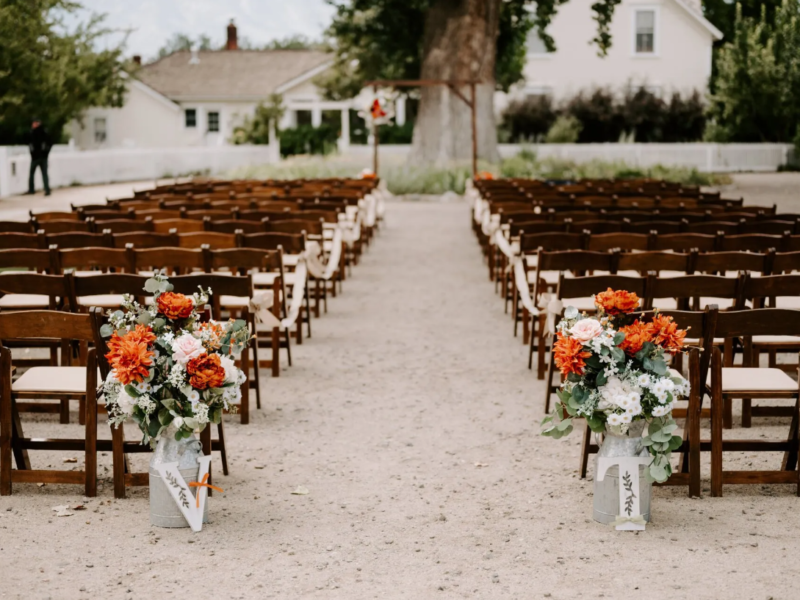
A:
411, 418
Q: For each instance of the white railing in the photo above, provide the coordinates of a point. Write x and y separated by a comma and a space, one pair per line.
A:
715, 158
75, 167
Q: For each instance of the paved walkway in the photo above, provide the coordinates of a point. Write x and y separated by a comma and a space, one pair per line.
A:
412, 421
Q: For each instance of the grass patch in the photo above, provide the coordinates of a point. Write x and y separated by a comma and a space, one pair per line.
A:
402, 179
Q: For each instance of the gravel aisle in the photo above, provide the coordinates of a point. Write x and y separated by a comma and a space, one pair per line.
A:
412, 421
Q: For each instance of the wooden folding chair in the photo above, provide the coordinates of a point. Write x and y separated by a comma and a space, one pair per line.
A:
752, 382
46, 382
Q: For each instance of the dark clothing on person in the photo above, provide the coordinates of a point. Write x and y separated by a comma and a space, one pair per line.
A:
39, 145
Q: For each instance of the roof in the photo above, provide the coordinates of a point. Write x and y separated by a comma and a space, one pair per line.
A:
694, 10
231, 74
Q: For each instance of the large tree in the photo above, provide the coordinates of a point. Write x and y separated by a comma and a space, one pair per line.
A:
49, 71
455, 40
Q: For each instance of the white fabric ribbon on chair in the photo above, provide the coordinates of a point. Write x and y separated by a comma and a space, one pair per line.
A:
516, 262
554, 308
260, 305
298, 294
314, 263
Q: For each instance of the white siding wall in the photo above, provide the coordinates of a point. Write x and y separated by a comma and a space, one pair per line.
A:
682, 60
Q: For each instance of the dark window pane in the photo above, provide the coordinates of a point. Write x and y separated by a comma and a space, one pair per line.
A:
213, 121
303, 117
191, 117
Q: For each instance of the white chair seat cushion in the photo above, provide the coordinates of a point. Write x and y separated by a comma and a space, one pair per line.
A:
756, 380
24, 301
787, 302
665, 303
291, 278
264, 278
234, 301
695, 341
102, 300
291, 260
582, 304
776, 339
53, 379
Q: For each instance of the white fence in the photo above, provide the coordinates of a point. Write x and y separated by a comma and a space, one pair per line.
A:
72, 167
714, 158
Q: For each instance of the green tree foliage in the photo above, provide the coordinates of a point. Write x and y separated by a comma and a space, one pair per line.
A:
255, 129
49, 71
182, 41
383, 39
757, 90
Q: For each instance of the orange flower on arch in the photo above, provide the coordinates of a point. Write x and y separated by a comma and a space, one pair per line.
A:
174, 306
665, 333
637, 334
569, 355
617, 302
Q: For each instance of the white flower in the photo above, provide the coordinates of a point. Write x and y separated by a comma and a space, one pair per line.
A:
168, 337
147, 404
194, 397
660, 411
625, 418
125, 401
231, 372
186, 347
614, 420
643, 380
634, 409
201, 413
177, 375
178, 422
142, 387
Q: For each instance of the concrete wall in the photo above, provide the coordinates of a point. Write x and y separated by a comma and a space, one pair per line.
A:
115, 165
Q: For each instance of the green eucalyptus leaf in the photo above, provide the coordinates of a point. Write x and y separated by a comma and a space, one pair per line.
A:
159, 323
618, 354
144, 318
619, 337
152, 285
106, 330
595, 424
164, 417
659, 473
601, 378
675, 443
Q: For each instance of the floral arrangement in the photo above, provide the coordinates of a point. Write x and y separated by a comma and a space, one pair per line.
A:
169, 370
616, 373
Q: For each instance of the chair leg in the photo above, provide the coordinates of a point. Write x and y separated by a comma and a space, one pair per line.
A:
118, 459
790, 457
90, 450
223, 453
63, 414
276, 357
585, 445
542, 352
289, 347
747, 412
693, 424
530, 352
6, 425
308, 311
205, 440
81, 411
244, 406
254, 347
549, 388
716, 424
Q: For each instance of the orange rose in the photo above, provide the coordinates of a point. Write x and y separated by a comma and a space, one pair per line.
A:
206, 371
617, 302
569, 354
636, 335
174, 306
665, 333
485, 175
130, 357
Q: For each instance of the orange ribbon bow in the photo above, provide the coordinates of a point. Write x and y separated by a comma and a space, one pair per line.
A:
199, 484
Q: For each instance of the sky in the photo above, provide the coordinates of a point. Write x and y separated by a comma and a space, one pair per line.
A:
154, 21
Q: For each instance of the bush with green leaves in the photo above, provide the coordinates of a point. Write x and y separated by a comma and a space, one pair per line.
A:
307, 139
757, 88
528, 119
565, 130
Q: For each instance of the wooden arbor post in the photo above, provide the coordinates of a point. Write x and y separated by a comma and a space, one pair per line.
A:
454, 86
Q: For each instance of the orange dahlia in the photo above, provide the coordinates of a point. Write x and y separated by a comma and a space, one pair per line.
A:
569, 355
206, 371
174, 306
665, 333
130, 357
617, 302
636, 335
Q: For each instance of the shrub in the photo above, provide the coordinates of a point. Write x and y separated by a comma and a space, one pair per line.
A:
644, 114
306, 139
565, 130
528, 119
599, 114
685, 119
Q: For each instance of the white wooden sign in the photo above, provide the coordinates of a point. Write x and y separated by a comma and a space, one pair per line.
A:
192, 507
630, 517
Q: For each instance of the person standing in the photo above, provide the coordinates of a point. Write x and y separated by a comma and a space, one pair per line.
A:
39, 145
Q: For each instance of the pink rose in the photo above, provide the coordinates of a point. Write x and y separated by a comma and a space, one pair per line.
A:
585, 330
186, 347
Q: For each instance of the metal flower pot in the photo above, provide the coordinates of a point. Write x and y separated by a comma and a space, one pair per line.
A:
164, 512
606, 492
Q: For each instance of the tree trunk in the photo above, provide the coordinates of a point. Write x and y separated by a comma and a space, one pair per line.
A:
460, 44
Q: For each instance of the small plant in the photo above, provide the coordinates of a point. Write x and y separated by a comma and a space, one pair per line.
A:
565, 130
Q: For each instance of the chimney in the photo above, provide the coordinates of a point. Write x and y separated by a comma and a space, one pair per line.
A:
232, 43
137, 59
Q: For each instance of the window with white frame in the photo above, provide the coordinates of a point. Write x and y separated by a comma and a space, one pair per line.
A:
100, 130
645, 31
535, 44
213, 121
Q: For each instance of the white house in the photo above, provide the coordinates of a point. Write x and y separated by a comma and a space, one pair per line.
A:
197, 98
664, 45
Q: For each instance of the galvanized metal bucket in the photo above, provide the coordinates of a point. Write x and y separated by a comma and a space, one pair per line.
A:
606, 492
164, 512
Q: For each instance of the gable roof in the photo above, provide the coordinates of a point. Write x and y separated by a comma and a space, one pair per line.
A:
231, 74
694, 10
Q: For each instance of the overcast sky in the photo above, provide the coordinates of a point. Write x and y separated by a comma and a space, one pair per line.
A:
154, 21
